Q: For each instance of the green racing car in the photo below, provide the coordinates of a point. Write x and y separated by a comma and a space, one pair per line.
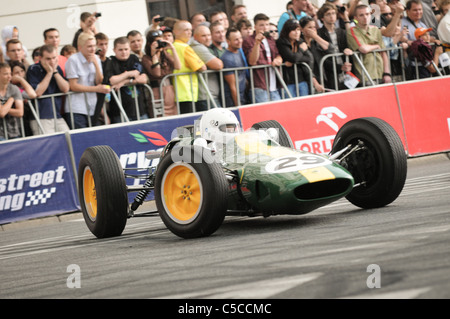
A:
213, 169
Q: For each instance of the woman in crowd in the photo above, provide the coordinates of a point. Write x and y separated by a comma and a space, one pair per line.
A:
318, 46
28, 93
18, 73
294, 53
161, 59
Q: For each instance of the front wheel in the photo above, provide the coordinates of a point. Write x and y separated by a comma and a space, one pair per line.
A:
379, 166
102, 191
191, 192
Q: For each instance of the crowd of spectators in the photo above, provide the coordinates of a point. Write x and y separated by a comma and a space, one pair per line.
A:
254, 53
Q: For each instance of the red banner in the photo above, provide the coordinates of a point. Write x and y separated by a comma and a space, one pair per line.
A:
313, 121
425, 108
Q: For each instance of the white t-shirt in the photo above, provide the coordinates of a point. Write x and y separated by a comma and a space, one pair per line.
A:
77, 67
272, 78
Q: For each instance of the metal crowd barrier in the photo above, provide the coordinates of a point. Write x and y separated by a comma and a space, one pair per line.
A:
357, 58
203, 81
5, 128
118, 98
157, 105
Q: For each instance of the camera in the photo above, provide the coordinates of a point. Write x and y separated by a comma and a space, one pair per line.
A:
98, 14
266, 34
341, 9
161, 44
159, 19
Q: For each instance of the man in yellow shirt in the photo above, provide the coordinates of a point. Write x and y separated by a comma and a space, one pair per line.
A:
186, 94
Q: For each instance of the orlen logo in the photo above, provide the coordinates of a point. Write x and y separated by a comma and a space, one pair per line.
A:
152, 137
19, 191
326, 115
323, 145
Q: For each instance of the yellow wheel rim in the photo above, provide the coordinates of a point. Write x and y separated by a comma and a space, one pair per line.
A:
89, 194
182, 193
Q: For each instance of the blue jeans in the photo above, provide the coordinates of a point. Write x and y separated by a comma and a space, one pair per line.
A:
303, 89
261, 95
79, 120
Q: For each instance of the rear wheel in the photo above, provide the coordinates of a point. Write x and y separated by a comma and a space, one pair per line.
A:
102, 191
283, 137
191, 195
380, 166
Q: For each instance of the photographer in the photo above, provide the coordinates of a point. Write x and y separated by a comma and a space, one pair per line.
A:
337, 43
87, 25
343, 19
300, 9
161, 59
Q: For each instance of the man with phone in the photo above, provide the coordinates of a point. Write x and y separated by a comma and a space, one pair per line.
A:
261, 49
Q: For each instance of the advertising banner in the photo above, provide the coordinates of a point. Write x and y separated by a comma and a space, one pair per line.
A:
313, 121
36, 179
426, 115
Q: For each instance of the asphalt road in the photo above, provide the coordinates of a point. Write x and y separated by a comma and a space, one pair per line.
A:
339, 251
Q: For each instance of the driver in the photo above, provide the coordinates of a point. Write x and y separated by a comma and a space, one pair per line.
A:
218, 125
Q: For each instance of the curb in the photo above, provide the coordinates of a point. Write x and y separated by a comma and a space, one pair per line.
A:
41, 221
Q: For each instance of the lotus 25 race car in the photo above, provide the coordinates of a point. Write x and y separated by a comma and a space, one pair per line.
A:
213, 169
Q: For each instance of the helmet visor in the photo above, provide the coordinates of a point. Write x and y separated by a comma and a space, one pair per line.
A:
229, 128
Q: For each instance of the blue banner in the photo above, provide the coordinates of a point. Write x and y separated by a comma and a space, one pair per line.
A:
36, 179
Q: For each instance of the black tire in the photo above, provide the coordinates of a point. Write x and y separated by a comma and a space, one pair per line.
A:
102, 191
283, 137
381, 163
191, 192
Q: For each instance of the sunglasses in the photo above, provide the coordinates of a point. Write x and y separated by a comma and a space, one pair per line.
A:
156, 33
273, 31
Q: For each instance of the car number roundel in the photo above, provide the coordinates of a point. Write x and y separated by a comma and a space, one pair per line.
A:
291, 163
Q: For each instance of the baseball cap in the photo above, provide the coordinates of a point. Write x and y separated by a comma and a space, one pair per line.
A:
421, 31
165, 29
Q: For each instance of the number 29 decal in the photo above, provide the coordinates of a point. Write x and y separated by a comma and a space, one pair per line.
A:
292, 163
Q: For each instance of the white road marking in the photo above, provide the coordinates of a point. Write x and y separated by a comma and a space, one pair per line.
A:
252, 290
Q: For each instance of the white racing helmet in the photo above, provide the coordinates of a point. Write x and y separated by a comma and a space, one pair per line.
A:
219, 125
